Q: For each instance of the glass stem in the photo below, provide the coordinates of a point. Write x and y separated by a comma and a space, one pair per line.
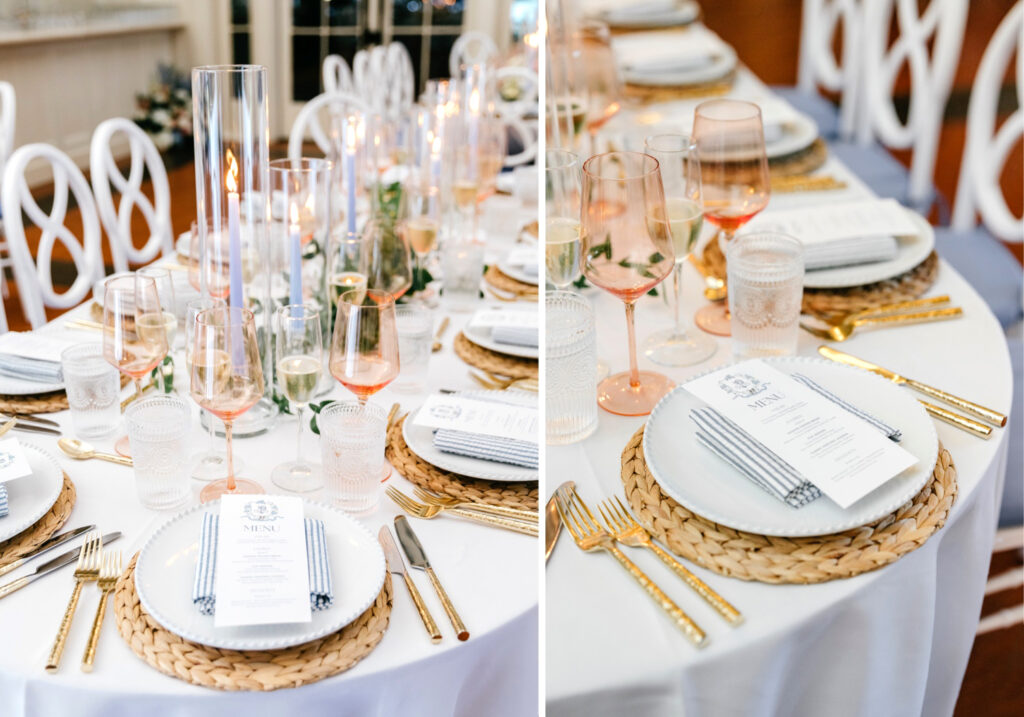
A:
298, 435
677, 286
634, 372
213, 433
231, 457
138, 388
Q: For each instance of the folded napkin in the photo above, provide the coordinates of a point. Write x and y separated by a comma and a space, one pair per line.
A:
4, 508
757, 462
517, 335
656, 53
518, 328
525, 260
489, 448
321, 593
31, 356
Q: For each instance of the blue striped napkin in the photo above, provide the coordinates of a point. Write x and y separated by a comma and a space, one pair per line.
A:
527, 336
321, 592
757, 462
4, 508
491, 448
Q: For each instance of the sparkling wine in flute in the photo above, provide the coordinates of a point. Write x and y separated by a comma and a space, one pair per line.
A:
347, 281
562, 250
685, 219
465, 192
421, 233
150, 326
299, 377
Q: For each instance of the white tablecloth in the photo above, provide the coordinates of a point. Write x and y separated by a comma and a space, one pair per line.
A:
892, 642
491, 576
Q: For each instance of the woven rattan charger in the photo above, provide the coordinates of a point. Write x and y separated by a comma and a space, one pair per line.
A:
260, 670
503, 282
429, 477
492, 361
816, 559
32, 537
828, 303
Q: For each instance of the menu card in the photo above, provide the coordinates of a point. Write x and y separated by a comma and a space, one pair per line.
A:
493, 318
13, 462
262, 576
841, 454
486, 418
846, 220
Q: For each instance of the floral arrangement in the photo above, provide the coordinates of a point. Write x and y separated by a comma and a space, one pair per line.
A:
165, 111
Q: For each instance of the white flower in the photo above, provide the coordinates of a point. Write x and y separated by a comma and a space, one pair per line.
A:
163, 140
161, 117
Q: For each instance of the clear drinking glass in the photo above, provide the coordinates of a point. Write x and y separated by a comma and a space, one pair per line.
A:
570, 365
627, 251
766, 278
158, 429
680, 176
352, 451
415, 326
419, 219
93, 387
562, 216
299, 367
462, 266
212, 463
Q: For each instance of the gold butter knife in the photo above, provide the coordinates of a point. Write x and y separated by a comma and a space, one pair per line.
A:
986, 414
418, 558
396, 566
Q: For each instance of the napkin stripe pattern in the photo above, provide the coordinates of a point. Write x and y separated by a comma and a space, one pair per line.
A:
321, 593
4, 508
491, 448
894, 434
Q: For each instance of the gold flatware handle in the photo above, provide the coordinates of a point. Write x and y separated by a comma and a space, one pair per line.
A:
437, 346
693, 633
527, 515
53, 662
986, 414
112, 458
720, 604
900, 306
13, 586
94, 634
917, 318
11, 566
806, 183
421, 608
497, 521
955, 419
460, 629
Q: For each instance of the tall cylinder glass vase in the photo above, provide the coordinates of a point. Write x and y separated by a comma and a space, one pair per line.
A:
232, 151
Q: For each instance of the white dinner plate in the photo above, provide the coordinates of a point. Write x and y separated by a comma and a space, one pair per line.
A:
166, 570
420, 440
683, 14
710, 487
11, 386
482, 337
183, 244
911, 251
30, 497
720, 64
517, 273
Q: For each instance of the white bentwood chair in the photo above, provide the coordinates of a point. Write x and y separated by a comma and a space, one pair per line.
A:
117, 219
369, 68
33, 275
337, 76
472, 48
308, 121
8, 113
820, 21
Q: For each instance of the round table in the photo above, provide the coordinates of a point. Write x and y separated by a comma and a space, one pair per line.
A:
491, 576
890, 642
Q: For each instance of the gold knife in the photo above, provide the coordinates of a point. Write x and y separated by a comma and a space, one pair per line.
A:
553, 522
986, 414
418, 559
396, 565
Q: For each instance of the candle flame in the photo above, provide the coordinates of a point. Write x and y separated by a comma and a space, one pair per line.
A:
474, 101
231, 181
351, 128
295, 214
436, 146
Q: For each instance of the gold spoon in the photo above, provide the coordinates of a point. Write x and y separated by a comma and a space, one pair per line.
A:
80, 450
440, 332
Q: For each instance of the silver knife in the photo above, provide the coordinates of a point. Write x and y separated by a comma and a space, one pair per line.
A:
37, 429
46, 546
418, 559
32, 418
553, 522
397, 566
48, 567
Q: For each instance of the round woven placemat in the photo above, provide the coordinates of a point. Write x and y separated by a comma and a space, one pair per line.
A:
817, 559
500, 280
32, 537
34, 402
524, 496
500, 364
648, 94
806, 160
261, 670
827, 303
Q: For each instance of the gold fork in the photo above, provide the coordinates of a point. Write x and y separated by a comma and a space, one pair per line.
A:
589, 536
843, 331
88, 569
447, 501
419, 510
884, 309
109, 572
625, 529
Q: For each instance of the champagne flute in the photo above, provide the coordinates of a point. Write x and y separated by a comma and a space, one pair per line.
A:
299, 365
627, 251
211, 463
680, 176
134, 336
364, 349
227, 380
165, 291
734, 175
562, 209
419, 219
